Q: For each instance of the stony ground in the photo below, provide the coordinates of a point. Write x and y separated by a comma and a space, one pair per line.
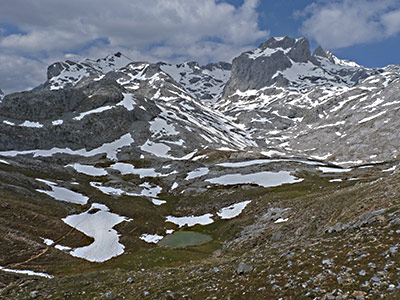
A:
341, 241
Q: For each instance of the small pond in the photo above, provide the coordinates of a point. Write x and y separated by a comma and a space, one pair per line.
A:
182, 239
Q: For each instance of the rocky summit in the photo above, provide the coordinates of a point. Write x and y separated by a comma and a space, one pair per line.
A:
274, 177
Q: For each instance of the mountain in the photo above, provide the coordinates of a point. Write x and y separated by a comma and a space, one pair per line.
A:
205, 83
139, 100
277, 97
66, 74
287, 62
275, 176
313, 105
202, 82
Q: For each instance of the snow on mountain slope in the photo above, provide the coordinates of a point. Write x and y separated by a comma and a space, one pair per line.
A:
278, 97
140, 101
204, 83
66, 74
286, 62
314, 105
353, 127
109, 130
178, 107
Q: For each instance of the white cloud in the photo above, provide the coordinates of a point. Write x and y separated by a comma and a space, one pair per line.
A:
391, 22
339, 24
19, 73
151, 30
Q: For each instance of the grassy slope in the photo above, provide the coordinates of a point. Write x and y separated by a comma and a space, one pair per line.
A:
315, 203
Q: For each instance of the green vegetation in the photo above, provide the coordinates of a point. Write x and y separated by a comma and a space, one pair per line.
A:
201, 261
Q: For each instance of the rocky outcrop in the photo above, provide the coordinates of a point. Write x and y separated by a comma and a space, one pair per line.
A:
256, 69
66, 74
287, 62
67, 118
205, 83
140, 102
278, 97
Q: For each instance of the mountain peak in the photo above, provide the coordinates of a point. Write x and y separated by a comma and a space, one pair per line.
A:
320, 52
205, 83
268, 61
116, 57
287, 62
297, 50
68, 73
284, 42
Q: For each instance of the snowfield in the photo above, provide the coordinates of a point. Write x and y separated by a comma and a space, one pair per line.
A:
63, 194
99, 226
190, 220
264, 179
233, 210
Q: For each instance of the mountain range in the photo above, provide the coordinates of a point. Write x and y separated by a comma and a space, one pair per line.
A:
278, 97
110, 162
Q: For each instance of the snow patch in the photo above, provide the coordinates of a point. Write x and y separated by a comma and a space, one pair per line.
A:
2, 161
372, 117
333, 170
99, 226
233, 210
281, 220
110, 149
336, 180
93, 111
31, 124
264, 179
197, 173
160, 127
27, 272
191, 220
158, 202
248, 163
390, 169
88, 170
149, 191
62, 248
57, 122
47, 242
157, 149
109, 190
125, 169
63, 194
8, 123
266, 52
174, 186
151, 238
127, 102
271, 153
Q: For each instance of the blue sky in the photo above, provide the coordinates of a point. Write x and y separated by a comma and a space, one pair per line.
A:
281, 18
34, 34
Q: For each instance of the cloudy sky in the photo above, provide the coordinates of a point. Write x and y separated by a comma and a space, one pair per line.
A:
34, 34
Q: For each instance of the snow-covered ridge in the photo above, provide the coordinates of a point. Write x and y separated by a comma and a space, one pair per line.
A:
294, 95
206, 83
288, 63
203, 82
66, 74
